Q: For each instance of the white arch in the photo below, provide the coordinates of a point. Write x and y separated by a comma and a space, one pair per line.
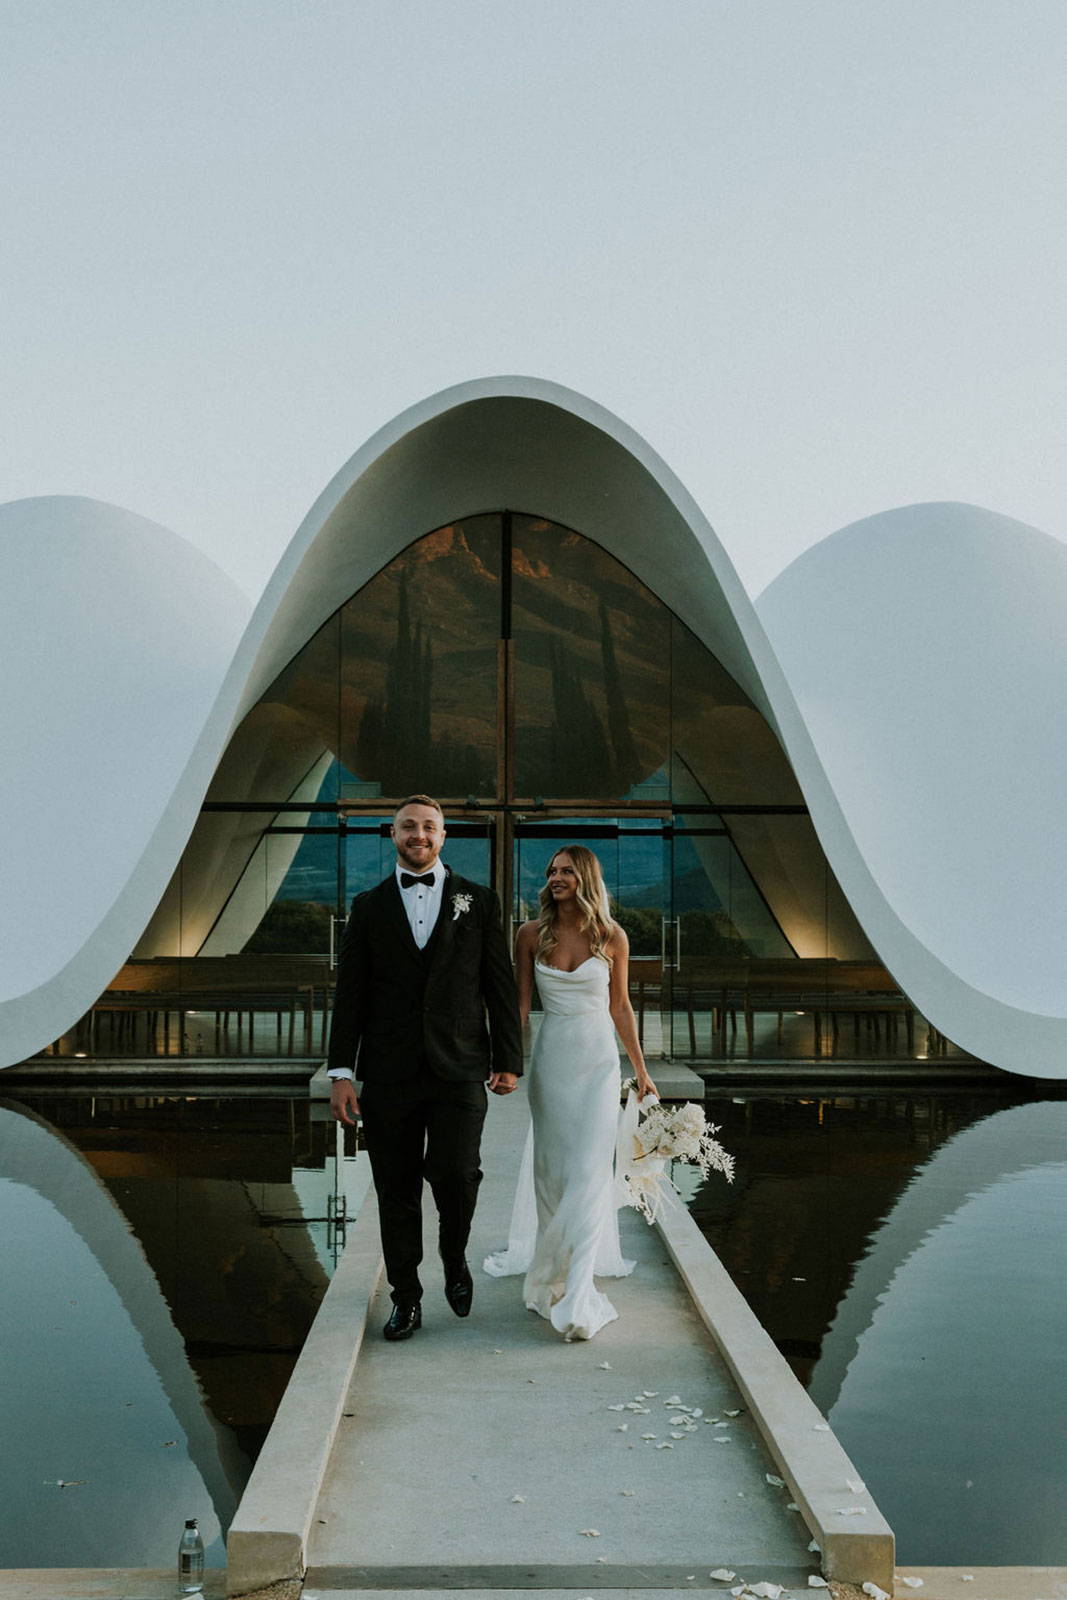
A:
529, 444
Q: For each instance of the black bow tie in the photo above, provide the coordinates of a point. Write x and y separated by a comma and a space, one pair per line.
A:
409, 878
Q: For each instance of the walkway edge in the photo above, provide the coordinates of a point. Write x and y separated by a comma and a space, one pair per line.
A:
268, 1539
809, 1456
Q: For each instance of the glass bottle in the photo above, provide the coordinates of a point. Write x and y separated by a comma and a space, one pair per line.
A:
191, 1559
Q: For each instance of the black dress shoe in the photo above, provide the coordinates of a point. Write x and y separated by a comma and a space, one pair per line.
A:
459, 1289
403, 1320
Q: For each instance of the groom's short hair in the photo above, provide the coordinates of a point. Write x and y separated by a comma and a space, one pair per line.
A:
420, 800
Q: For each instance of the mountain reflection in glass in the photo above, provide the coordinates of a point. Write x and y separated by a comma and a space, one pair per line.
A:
592, 669
401, 683
419, 648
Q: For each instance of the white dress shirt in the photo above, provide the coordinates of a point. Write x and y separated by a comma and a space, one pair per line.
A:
422, 905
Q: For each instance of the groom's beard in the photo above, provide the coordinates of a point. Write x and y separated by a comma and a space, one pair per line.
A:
417, 858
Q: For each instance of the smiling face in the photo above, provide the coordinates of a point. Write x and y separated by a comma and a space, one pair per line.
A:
562, 878
418, 832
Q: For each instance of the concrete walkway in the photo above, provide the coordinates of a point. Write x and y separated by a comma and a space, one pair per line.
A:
485, 1453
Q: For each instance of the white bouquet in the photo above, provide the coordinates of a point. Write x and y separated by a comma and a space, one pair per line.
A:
651, 1136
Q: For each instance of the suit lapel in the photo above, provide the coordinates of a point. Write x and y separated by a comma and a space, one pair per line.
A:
396, 917
439, 947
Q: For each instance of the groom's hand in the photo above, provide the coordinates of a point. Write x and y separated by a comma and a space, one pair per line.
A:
344, 1107
502, 1082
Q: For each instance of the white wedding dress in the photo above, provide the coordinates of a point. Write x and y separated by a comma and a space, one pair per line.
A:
564, 1226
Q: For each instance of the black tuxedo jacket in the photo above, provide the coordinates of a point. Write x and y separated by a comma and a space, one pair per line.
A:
451, 1007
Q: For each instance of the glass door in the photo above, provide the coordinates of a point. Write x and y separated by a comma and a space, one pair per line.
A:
634, 857
730, 961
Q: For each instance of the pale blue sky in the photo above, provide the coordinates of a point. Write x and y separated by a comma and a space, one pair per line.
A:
813, 252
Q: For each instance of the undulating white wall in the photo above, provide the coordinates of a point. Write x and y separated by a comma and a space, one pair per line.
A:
913, 667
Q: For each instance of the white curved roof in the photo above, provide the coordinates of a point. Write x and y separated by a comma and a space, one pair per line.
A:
892, 660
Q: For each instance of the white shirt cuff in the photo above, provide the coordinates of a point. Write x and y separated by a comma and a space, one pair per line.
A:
342, 1072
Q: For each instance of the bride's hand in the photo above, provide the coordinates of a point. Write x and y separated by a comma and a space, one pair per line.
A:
645, 1086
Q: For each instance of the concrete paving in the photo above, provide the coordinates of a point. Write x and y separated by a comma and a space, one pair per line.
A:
486, 1453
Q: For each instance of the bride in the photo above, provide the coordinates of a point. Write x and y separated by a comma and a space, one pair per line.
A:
565, 1225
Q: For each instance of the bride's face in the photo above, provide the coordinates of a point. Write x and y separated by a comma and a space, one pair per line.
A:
562, 878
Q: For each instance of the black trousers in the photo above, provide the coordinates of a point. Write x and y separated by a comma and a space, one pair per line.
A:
423, 1127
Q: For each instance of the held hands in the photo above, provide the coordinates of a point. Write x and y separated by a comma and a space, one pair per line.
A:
502, 1082
344, 1106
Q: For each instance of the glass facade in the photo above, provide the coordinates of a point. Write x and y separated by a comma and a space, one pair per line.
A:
518, 672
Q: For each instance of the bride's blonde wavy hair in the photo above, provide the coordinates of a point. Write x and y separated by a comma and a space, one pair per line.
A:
593, 903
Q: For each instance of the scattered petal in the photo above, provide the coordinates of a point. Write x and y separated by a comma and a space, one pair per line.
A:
677, 1435
779, 1483
736, 1413
800, 1280
856, 1485
498, 1352
720, 1424
603, 1560
815, 1582
624, 1427
663, 1445
518, 1499
738, 1591
648, 1436
723, 1575
616, 1408
765, 1591
821, 1427
723, 1438
590, 1533
627, 1492
791, 1505
852, 1511
675, 1400
912, 1583
697, 1412
605, 1366
815, 1548
649, 1394
875, 1593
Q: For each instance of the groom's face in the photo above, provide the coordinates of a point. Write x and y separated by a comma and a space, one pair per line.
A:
418, 833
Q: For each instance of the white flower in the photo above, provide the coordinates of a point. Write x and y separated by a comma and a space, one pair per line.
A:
461, 904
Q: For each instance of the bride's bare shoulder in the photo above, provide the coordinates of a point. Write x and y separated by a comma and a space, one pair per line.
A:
617, 944
526, 938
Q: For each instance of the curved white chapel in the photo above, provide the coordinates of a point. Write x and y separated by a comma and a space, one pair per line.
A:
912, 669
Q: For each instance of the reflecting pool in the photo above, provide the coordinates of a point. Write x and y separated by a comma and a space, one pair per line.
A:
162, 1260
908, 1255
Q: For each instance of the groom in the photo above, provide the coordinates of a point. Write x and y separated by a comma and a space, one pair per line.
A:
423, 969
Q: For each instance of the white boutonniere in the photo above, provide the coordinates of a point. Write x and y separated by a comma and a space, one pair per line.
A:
461, 904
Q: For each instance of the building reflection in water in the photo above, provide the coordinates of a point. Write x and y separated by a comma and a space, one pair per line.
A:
907, 1254
167, 1274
